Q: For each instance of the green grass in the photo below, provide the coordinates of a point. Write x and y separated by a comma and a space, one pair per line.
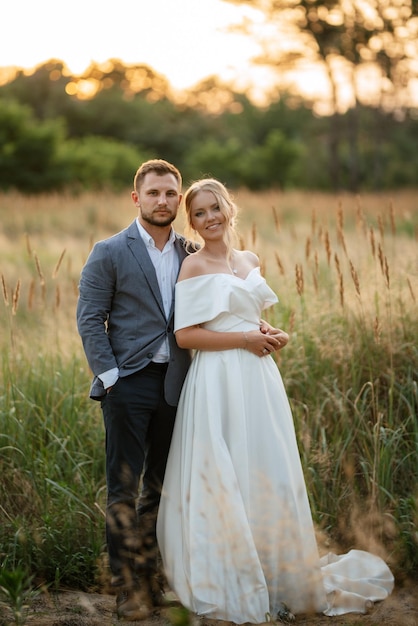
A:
347, 288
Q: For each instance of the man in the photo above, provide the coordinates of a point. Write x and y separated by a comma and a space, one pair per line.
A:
125, 320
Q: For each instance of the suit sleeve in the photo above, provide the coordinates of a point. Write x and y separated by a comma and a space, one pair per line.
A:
96, 291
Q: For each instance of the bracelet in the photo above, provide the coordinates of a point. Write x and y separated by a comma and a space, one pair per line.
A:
246, 339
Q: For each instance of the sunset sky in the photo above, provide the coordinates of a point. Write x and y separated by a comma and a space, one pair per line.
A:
185, 40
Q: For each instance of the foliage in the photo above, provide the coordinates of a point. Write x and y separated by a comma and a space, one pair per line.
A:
99, 163
48, 135
17, 591
28, 149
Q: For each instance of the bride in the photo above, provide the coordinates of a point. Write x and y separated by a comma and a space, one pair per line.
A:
234, 526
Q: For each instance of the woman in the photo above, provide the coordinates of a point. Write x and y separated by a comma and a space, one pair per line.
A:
234, 526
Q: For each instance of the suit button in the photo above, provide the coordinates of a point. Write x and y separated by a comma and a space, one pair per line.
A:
150, 355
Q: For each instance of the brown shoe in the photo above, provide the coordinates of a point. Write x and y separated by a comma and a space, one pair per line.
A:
132, 605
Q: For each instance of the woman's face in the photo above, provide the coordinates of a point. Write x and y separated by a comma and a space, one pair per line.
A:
206, 216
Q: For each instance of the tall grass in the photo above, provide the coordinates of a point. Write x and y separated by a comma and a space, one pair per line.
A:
345, 271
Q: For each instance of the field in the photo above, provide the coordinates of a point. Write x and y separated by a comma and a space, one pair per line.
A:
345, 270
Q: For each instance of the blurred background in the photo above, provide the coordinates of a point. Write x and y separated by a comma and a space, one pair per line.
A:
305, 94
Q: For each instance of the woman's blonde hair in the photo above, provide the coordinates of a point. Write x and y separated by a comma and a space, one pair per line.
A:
225, 202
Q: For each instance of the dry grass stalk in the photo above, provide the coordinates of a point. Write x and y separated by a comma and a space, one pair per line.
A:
279, 264
341, 289
58, 265
381, 225
340, 279
340, 228
392, 218
299, 279
308, 248
327, 247
377, 330
380, 257
38, 269
15, 298
313, 222
315, 280
276, 219
360, 221
75, 288
291, 322
5, 296
241, 242
355, 278
57, 297
28, 245
372, 241
315, 272
386, 272
337, 264
411, 290
31, 294
254, 234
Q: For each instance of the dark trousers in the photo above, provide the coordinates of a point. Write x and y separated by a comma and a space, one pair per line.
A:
139, 425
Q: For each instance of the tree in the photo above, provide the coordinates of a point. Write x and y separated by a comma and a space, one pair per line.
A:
28, 150
343, 39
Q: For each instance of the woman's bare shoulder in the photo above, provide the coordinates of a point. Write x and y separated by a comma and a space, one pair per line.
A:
192, 266
249, 257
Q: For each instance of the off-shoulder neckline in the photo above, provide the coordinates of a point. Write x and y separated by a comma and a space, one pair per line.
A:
220, 274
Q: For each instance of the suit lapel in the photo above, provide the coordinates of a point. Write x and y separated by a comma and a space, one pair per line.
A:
139, 251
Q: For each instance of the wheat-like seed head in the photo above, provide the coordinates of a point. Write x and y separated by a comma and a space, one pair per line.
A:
5, 296
308, 248
313, 222
276, 219
327, 247
15, 297
279, 263
386, 272
355, 278
392, 218
411, 290
381, 225
299, 278
58, 265
341, 289
372, 242
39, 269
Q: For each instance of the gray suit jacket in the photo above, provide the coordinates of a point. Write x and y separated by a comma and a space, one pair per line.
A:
120, 313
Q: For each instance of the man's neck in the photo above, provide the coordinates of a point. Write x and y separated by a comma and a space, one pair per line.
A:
160, 234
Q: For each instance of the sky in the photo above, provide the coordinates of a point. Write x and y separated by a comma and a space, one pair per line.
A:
185, 40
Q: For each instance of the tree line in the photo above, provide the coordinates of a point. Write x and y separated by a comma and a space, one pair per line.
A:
59, 131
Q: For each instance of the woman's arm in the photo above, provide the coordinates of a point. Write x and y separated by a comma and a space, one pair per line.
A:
198, 338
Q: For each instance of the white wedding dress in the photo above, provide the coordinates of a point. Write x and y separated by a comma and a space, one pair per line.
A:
234, 525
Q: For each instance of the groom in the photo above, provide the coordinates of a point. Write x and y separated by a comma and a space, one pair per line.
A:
125, 320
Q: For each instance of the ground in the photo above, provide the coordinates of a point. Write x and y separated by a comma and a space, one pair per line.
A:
72, 608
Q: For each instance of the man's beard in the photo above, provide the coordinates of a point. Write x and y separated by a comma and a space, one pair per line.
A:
160, 221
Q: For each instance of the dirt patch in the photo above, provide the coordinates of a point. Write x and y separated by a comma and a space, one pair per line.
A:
71, 608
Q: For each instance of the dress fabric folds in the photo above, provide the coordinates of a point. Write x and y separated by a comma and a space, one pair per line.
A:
234, 526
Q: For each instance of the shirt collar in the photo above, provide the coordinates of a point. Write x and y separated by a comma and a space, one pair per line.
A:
148, 240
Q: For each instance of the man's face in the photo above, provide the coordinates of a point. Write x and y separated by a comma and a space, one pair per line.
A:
158, 199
